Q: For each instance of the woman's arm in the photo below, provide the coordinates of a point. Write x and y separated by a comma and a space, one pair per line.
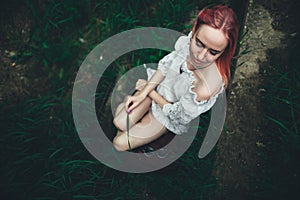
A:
161, 101
153, 82
133, 101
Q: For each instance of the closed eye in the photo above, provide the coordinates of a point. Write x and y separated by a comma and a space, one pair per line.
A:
211, 51
199, 44
214, 52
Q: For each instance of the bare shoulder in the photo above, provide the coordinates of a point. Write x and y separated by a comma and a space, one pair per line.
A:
207, 83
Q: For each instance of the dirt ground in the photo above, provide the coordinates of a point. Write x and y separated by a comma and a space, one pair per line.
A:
240, 162
18, 78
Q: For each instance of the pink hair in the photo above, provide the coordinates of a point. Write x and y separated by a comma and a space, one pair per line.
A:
222, 18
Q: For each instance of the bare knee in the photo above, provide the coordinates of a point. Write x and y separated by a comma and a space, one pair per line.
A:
120, 124
120, 144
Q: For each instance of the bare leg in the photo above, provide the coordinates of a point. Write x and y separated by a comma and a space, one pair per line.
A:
119, 108
134, 116
141, 133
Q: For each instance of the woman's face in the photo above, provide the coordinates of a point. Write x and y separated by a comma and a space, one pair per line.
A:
207, 44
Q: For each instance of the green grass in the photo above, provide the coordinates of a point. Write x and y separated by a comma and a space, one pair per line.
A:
45, 160
42, 154
282, 120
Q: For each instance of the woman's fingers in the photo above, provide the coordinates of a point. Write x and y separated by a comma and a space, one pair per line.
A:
132, 102
127, 103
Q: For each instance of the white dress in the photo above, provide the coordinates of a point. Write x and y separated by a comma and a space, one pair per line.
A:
177, 88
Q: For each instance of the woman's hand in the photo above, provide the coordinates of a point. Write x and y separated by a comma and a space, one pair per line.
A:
140, 84
133, 101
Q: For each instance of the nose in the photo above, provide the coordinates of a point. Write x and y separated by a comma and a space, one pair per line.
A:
202, 53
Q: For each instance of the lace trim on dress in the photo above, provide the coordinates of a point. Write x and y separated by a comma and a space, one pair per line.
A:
191, 79
178, 118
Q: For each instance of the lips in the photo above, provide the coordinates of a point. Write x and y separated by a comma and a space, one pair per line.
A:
196, 61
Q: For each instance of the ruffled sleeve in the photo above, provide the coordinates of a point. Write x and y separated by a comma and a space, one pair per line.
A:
181, 49
186, 109
165, 63
183, 42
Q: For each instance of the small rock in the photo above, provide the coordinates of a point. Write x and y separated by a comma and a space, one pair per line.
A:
293, 34
81, 40
242, 77
261, 90
9, 53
